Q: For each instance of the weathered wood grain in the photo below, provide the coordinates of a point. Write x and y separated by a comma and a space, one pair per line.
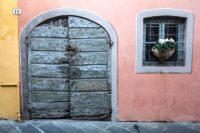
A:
56, 84
105, 117
63, 84
90, 100
90, 114
89, 58
50, 106
87, 33
81, 22
100, 44
46, 114
48, 44
41, 70
47, 96
62, 21
49, 80
48, 57
90, 71
91, 85
50, 32
51, 87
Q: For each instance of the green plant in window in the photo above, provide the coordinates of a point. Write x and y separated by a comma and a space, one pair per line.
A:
164, 49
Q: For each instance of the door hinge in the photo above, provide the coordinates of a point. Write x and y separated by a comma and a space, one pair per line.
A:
26, 41
110, 42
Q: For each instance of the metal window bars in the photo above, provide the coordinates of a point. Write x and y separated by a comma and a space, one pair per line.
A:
164, 27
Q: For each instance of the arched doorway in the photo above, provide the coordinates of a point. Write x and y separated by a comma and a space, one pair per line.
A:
68, 66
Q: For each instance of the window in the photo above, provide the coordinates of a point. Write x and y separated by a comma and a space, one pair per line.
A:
156, 24
161, 28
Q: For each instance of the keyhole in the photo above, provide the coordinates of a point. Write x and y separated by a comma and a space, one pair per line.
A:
74, 73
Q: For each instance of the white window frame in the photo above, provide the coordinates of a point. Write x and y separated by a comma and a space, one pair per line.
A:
189, 25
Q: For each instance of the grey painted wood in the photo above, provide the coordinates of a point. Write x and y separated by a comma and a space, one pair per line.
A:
62, 21
90, 114
49, 80
90, 71
48, 44
56, 84
49, 96
50, 32
46, 114
87, 33
89, 96
48, 57
59, 77
51, 87
50, 106
90, 100
81, 22
99, 44
85, 58
105, 117
49, 71
88, 85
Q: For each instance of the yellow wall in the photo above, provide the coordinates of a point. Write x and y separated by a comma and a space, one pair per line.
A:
9, 61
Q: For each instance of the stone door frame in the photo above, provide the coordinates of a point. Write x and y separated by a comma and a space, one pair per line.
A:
68, 12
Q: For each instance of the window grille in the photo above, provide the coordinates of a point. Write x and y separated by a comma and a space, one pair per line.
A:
161, 28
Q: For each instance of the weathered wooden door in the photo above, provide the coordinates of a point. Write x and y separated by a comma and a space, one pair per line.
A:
69, 70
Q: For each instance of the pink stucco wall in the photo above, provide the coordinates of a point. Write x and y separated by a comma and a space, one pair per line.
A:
142, 97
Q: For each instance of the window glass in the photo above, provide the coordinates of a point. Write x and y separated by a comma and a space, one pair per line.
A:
171, 31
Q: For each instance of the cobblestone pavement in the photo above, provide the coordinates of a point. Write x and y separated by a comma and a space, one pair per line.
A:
66, 126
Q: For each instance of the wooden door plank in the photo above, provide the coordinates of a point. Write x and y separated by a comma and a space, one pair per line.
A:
49, 71
50, 106
90, 114
62, 21
48, 57
90, 105
50, 84
46, 114
51, 87
81, 22
47, 96
90, 100
90, 71
48, 44
60, 32
88, 85
87, 33
99, 44
89, 58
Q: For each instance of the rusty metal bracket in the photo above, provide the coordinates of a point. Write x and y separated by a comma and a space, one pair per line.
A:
110, 42
71, 49
26, 41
